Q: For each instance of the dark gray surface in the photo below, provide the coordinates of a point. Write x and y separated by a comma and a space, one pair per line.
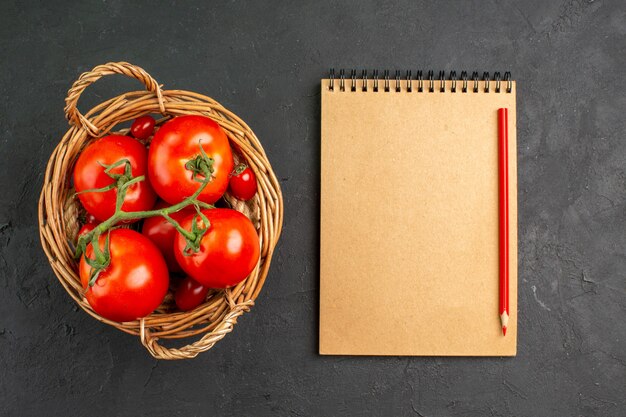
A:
264, 62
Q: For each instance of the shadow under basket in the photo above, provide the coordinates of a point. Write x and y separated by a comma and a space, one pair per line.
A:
59, 209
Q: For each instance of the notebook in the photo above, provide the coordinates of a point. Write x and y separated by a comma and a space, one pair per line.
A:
409, 215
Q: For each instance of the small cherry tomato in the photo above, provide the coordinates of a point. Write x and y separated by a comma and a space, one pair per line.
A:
229, 249
162, 233
190, 294
134, 283
87, 227
243, 183
142, 127
89, 173
90, 218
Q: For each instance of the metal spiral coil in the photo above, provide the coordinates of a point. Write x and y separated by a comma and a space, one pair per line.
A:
398, 87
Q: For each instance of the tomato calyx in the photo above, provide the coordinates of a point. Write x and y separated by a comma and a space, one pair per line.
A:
201, 166
122, 181
194, 236
239, 169
101, 260
119, 180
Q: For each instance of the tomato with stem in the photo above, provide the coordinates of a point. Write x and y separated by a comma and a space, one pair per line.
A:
228, 250
182, 152
242, 183
134, 280
103, 167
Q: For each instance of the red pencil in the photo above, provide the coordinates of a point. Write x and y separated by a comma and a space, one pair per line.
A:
503, 175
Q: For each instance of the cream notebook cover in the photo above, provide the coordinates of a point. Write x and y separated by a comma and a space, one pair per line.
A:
409, 218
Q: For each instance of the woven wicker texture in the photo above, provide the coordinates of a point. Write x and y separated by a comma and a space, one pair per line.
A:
59, 210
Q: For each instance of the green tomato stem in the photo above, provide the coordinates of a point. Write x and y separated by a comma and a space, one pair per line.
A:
202, 169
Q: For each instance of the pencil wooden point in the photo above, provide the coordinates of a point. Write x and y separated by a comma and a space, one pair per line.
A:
504, 319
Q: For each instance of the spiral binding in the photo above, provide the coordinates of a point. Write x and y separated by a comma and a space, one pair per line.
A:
430, 81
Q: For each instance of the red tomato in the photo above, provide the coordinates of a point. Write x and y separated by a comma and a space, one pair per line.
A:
243, 183
190, 294
142, 127
88, 174
162, 233
89, 218
87, 227
135, 282
229, 250
176, 143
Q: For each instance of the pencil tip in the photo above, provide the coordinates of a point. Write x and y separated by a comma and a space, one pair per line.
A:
503, 330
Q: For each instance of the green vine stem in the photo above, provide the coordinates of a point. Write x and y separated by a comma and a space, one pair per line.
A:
202, 170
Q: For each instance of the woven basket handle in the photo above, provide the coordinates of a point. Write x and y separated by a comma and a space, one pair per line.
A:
87, 78
205, 343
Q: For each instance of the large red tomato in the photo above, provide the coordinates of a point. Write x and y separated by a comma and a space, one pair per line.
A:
177, 142
89, 174
162, 233
229, 250
135, 282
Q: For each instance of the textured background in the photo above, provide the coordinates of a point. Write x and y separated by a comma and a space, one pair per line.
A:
264, 62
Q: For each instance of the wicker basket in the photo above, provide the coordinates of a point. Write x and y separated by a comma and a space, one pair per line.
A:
59, 209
